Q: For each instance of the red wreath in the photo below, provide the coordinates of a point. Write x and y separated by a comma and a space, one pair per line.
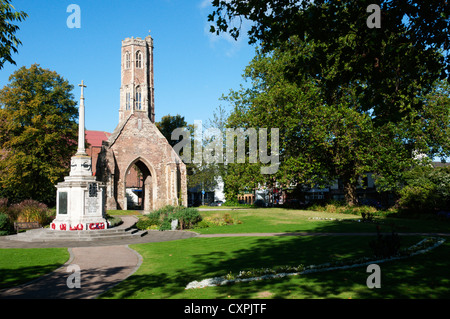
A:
96, 226
78, 227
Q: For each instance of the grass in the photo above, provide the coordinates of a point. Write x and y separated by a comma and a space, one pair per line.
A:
169, 266
19, 266
267, 220
123, 213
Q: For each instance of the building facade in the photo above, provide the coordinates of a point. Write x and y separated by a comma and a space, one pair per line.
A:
136, 143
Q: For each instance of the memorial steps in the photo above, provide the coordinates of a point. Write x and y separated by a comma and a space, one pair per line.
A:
123, 231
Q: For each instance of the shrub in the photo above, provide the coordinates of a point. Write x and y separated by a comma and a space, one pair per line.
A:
6, 226
187, 217
427, 190
162, 218
217, 220
4, 205
30, 211
113, 221
235, 202
149, 221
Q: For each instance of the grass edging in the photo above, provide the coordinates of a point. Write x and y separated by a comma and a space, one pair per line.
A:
421, 247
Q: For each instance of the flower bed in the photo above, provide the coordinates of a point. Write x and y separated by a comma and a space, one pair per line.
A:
421, 247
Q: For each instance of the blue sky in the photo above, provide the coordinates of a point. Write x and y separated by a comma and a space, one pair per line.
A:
193, 67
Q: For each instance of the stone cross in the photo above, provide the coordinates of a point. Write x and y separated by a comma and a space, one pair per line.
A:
81, 133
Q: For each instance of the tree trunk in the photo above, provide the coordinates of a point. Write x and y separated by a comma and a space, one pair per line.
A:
350, 193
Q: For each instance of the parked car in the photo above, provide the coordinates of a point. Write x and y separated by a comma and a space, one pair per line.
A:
216, 203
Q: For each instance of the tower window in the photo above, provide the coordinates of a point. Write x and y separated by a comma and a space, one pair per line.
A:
127, 60
138, 59
128, 101
138, 104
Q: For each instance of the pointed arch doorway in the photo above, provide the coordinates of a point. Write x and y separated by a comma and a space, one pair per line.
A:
139, 183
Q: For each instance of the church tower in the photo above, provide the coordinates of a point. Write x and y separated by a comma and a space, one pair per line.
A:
137, 86
137, 144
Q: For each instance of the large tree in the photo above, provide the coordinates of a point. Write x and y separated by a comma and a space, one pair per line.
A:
38, 133
376, 76
8, 40
322, 140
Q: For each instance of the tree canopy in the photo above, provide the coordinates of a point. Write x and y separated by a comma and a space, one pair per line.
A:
347, 97
322, 140
388, 66
38, 133
8, 40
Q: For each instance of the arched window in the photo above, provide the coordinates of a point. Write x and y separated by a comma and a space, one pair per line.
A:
138, 59
127, 60
137, 101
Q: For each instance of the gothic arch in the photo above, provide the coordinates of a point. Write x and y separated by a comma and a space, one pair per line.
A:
150, 183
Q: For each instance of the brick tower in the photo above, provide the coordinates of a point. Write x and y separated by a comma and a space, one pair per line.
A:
136, 141
137, 86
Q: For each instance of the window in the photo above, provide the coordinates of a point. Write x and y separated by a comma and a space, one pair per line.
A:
127, 60
138, 59
128, 101
138, 99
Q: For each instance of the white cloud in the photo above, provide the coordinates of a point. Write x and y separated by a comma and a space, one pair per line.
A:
232, 46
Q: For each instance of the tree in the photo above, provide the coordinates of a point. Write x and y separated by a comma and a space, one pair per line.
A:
198, 174
389, 66
426, 189
8, 40
168, 124
38, 133
379, 77
322, 140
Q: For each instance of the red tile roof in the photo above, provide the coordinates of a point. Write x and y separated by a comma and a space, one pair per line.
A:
95, 138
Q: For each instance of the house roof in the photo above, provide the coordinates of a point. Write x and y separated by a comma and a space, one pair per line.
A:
95, 138
440, 164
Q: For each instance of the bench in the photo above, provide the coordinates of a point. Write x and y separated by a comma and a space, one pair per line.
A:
26, 225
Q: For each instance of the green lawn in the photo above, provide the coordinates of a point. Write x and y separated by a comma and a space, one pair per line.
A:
169, 266
267, 220
123, 212
18, 266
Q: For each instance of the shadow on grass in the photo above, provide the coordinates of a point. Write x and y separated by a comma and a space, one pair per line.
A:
423, 276
14, 277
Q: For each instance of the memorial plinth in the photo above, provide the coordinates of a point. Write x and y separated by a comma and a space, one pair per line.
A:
80, 199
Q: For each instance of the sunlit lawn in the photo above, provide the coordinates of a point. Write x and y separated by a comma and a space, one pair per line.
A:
169, 266
18, 266
267, 220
